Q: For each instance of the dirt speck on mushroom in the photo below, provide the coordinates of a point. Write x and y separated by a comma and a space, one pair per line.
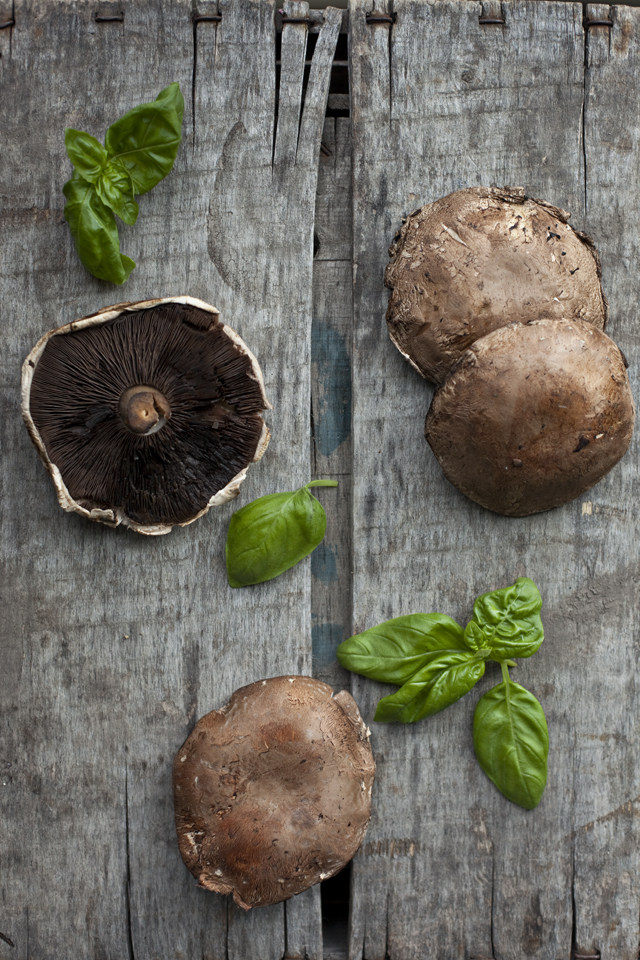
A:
272, 793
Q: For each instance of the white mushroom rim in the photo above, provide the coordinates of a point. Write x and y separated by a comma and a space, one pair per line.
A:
114, 517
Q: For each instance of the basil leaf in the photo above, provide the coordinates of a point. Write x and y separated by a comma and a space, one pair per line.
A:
393, 651
115, 189
511, 741
146, 139
273, 533
509, 620
94, 232
442, 682
87, 154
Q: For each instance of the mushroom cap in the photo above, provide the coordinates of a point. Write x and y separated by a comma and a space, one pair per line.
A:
480, 259
194, 382
273, 792
532, 416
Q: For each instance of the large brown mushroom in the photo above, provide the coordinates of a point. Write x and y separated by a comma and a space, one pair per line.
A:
273, 792
532, 416
480, 259
145, 414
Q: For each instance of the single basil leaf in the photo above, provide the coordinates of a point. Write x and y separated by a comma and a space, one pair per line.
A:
510, 620
473, 635
273, 533
115, 189
147, 138
393, 651
511, 741
94, 232
442, 682
87, 154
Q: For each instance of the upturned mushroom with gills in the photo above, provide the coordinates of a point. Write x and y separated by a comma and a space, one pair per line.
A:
272, 793
480, 259
145, 414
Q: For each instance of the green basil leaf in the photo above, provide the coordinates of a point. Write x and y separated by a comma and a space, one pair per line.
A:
510, 620
439, 684
474, 635
511, 741
94, 232
115, 188
147, 138
87, 154
393, 651
273, 533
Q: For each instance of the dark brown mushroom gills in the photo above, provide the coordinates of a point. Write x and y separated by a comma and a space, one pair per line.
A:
532, 416
198, 374
480, 259
273, 792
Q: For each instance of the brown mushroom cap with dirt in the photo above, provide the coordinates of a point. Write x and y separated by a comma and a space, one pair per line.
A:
273, 792
532, 416
480, 259
145, 414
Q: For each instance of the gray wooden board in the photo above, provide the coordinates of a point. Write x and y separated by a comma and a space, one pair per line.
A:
113, 644
331, 400
607, 779
450, 869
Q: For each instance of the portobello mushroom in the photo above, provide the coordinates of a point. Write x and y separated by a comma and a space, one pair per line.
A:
480, 259
532, 415
145, 414
273, 792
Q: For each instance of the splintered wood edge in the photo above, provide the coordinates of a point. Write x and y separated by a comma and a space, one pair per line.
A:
117, 517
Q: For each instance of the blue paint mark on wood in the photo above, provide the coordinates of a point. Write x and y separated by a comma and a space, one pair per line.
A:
332, 407
323, 563
325, 638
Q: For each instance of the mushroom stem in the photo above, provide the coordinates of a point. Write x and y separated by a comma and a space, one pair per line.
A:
143, 410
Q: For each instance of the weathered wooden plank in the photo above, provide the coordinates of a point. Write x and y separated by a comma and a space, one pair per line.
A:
81, 623
294, 50
450, 868
116, 643
331, 400
607, 775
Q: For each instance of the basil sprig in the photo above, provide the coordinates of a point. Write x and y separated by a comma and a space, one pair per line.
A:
140, 149
273, 533
436, 663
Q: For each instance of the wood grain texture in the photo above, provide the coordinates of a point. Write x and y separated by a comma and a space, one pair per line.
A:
116, 643
607, 772
450, 868
331, 401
